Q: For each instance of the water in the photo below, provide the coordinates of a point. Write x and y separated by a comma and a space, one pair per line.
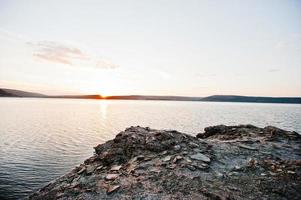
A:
42, 139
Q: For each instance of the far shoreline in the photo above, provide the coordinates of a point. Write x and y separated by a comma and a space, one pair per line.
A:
127, 99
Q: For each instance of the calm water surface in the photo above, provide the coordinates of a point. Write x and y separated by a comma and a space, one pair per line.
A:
42, 139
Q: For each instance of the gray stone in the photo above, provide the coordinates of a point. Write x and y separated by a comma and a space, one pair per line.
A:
167, 158
193, 145
247, 147
177, 147
200, 157
90, 169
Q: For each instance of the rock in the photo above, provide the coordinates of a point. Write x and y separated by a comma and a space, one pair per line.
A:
177, 147
110, 177
140, 157
188, 160
252, 162
247, 147
131, 167
167, 158
237, 168
233, 188
172, 166
116, 167
156, 170
177, 158
81, 170
148, 164
90, 169
200, 157
112, 188
193, 145
212, 130
233, 173
197, 150
192, 168
59, 195
219, 175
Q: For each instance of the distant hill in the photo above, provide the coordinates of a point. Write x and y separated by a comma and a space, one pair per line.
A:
18, 93
233, 98
144, 97
94, 96
215, 98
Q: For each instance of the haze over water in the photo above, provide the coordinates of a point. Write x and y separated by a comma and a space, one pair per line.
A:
42, 139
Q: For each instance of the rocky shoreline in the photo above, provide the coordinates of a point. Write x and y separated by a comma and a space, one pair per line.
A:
224, 162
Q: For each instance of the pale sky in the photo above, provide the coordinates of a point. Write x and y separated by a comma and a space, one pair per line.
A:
152, 47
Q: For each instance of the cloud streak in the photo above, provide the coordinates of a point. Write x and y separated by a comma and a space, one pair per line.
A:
67, 55
58, 53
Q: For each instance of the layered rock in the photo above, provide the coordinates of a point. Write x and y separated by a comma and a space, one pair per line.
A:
224, 162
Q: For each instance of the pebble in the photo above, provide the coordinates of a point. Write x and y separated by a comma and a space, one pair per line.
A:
116, 168
59, 195
218, 174
167, 158
233, 174
193, 145
204, 165
192, 168
252, 162
177, 158
237, 168
197, 150
201, 157
110, 177
177, 147
172, 166
112, 188
140, 157
156, 170
81, 171
90, 169
247, 147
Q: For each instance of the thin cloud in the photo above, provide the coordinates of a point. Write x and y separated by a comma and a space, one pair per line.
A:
58, 53
67, 55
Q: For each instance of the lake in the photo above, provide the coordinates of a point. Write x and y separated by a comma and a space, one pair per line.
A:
42, 139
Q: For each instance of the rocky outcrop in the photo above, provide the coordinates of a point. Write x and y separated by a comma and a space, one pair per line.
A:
224, 162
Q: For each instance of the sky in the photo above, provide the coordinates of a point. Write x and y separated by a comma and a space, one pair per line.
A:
147, 47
